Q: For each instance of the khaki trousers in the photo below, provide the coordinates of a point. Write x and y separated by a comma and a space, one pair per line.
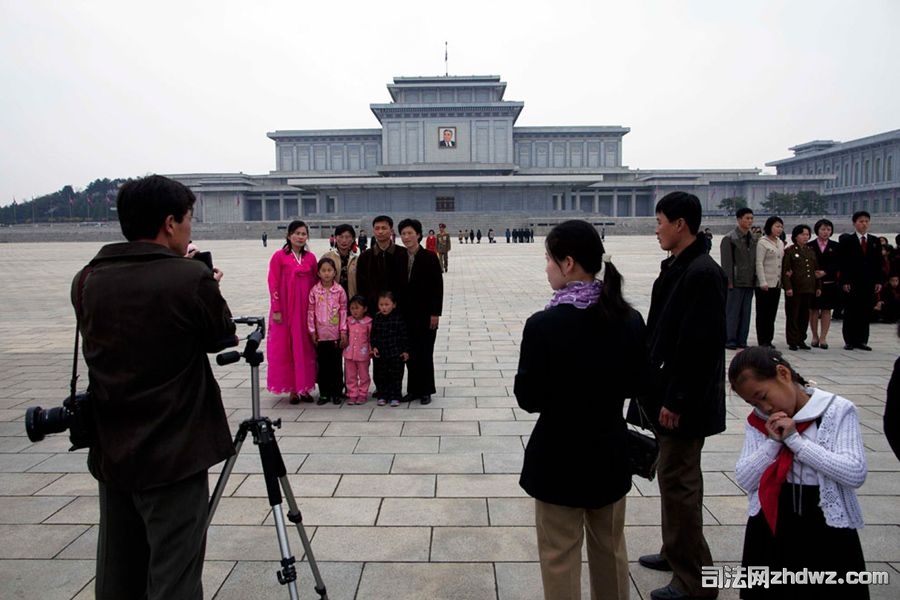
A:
681, 499
560, 532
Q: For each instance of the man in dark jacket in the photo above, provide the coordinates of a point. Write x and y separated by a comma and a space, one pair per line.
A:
738, 260
148, 317
861, 277
686, 331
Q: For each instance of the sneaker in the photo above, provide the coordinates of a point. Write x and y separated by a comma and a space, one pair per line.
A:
382, 402
395, 403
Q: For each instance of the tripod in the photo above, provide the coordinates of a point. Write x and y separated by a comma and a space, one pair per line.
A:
274, 471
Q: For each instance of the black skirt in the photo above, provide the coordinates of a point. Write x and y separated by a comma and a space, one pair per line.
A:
803, 540
829, 298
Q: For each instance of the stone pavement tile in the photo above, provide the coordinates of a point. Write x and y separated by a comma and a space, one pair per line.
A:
443, 400
259, 542
473, 391
440, 428
372, 544
484, 544
30, 509
495, 402
475, 444
25, 484
398, 445
302, 485
317, 445
646, 580
517, 428
257, 580
511, 511
386, 485
338, 413
28, 579
74, 462
241, 511
521, 415
12, 445
347, 463
891, 591
880, 484
83, 510
214, 574
478, 486
301, 429
437, 463
876, 443
84, 547
51, 443
882, 461
510, 462
420, 414
477, 414
879, 543
728, 510
36, 541
370, 429
433, 511
415, 581
879, 510
726, 542
234, 482
334, 511
720, 461
21, 462
643, 539
248, 460
721, 484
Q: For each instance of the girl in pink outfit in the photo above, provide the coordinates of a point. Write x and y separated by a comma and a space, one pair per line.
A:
327, 324
290, 351
358, 352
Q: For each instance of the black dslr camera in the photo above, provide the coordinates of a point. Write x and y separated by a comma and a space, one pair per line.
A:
74, 415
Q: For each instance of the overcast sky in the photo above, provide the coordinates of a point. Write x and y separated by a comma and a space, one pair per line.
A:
105, 89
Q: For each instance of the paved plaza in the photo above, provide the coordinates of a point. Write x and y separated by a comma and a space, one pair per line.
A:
409, 503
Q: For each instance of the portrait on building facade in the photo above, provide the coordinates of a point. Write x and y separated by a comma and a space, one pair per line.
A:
446, 137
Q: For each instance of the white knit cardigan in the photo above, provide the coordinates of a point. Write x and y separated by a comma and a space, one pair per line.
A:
837, 456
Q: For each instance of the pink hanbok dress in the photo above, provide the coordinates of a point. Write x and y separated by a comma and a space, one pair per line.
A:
291, 354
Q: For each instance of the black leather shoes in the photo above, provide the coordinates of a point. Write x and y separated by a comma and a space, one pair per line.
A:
670, 592
426, 399
655, 562
848, 347
864, 347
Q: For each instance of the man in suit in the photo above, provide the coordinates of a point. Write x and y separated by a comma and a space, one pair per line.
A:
861, 277
447, 141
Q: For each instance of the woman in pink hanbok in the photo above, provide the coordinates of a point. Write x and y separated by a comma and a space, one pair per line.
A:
291, 352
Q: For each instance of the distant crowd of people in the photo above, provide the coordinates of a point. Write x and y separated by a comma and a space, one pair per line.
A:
856, 277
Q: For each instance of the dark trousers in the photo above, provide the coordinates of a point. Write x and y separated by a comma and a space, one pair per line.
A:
329, 374
420, 366
445, 260
737, 315
151, 543
766, 311
796, 311
858, 305
681, 500
388, 375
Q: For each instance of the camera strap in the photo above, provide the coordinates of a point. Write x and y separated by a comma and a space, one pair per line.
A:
79, 293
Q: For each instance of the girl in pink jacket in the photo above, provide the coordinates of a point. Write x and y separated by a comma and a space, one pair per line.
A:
358, 352
327, 323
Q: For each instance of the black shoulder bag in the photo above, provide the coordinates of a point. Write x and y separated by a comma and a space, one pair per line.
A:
643, 450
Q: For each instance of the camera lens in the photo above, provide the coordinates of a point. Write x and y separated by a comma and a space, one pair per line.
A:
40, 422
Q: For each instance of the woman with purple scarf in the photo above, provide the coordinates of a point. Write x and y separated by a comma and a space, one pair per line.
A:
581, 357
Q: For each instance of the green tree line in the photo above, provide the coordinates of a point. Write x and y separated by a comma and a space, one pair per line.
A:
801, 203
96, 202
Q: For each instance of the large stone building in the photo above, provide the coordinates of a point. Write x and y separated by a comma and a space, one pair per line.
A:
450, 145
862, 174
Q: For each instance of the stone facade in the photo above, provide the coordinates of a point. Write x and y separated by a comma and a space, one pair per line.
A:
449, 145
862, 174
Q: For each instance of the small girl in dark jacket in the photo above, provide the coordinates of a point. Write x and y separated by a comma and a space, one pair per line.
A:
390, 346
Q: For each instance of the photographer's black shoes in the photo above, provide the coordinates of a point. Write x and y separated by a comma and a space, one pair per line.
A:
655, 562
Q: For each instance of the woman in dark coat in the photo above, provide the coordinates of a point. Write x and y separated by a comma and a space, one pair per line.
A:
827, 260
420, 298
580, 359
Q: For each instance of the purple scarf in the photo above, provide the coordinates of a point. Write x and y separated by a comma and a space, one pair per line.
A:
580, 294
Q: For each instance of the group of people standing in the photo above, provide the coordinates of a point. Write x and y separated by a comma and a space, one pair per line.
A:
588, 351
394, 296
817, 275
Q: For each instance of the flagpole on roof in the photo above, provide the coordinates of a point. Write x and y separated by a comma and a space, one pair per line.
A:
446, 69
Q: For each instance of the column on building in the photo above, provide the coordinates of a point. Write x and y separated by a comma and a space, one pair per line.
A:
632, 211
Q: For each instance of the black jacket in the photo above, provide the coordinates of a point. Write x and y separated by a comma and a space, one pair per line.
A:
686, 329
576, 369
420, 294
148, 319
858, 270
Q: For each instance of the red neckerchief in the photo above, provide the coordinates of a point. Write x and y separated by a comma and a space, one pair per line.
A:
775, 474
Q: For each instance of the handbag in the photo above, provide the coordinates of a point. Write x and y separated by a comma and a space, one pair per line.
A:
643, 450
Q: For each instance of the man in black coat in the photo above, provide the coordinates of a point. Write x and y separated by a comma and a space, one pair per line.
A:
861, 279
148, 316
686, 332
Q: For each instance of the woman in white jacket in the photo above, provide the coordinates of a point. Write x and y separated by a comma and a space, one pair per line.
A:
801, 464
769, 254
